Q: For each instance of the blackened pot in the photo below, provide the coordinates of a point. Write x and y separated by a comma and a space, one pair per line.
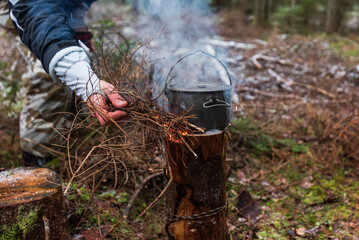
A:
208, 102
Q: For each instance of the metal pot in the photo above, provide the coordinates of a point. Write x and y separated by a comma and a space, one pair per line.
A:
209, 102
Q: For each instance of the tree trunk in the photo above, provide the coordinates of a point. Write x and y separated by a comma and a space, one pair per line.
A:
292, 18
32, 205
262, 11
196, 199
334, 16
221, 3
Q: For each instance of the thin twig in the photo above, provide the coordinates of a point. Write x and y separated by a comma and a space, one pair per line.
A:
129, 206
162, 193
78, 169
114, 226
46, 227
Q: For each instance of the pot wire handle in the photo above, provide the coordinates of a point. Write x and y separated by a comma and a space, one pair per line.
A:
215, 102
190, 54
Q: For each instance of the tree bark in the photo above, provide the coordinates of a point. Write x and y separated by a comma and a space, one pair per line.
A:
262, 11
32, 205
334, 16
198, 188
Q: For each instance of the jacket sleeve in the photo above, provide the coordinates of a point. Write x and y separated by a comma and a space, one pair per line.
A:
42, 26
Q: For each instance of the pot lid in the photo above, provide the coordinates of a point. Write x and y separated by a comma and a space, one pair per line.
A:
198, 87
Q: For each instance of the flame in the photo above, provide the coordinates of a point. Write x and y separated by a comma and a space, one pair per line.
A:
236, 109
184, 133
174, 138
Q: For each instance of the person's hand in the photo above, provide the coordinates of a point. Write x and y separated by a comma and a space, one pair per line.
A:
100, 108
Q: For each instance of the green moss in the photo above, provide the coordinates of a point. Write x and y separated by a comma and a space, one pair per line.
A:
107, 195
125, 229
71, 197
3, 65
270, 233
92, 221
294, 146
258, 142
345, 47
27, 221
316, 195
25, 224
106, 215
293, 173
9, 159
340, 212
154, 229
310, 218
80, 210
123, 198
55, 163
85, 195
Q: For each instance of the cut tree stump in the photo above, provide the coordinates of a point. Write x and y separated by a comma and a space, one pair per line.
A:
196, 198
32, 205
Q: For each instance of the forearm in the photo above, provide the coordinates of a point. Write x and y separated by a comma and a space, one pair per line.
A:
72, 67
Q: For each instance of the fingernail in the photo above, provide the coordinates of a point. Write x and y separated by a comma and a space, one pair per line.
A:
121, 101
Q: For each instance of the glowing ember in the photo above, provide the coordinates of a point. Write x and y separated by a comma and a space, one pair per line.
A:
184, 133
176, 139
173, 139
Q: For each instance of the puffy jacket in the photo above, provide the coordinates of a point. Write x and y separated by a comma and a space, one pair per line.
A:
44, 25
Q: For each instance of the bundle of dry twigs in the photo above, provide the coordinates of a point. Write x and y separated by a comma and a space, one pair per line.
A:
143, 110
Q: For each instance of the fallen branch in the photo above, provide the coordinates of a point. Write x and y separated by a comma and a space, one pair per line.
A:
162, 193
268, 94
310, 87
231, 44
256, 57
111, 229
260, 42
127, 210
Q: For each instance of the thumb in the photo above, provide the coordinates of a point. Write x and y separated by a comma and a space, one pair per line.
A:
115, 98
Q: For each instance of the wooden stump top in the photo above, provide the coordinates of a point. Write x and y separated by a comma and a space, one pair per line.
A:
23, 185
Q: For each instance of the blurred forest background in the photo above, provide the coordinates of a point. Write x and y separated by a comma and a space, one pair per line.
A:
293, 154
299, 16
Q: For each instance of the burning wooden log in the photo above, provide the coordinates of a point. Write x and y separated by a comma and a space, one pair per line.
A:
196, 198
32, 205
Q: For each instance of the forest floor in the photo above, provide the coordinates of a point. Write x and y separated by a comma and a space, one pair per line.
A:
292, 159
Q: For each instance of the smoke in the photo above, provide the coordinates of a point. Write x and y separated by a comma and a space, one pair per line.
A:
183, 22
177, 29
